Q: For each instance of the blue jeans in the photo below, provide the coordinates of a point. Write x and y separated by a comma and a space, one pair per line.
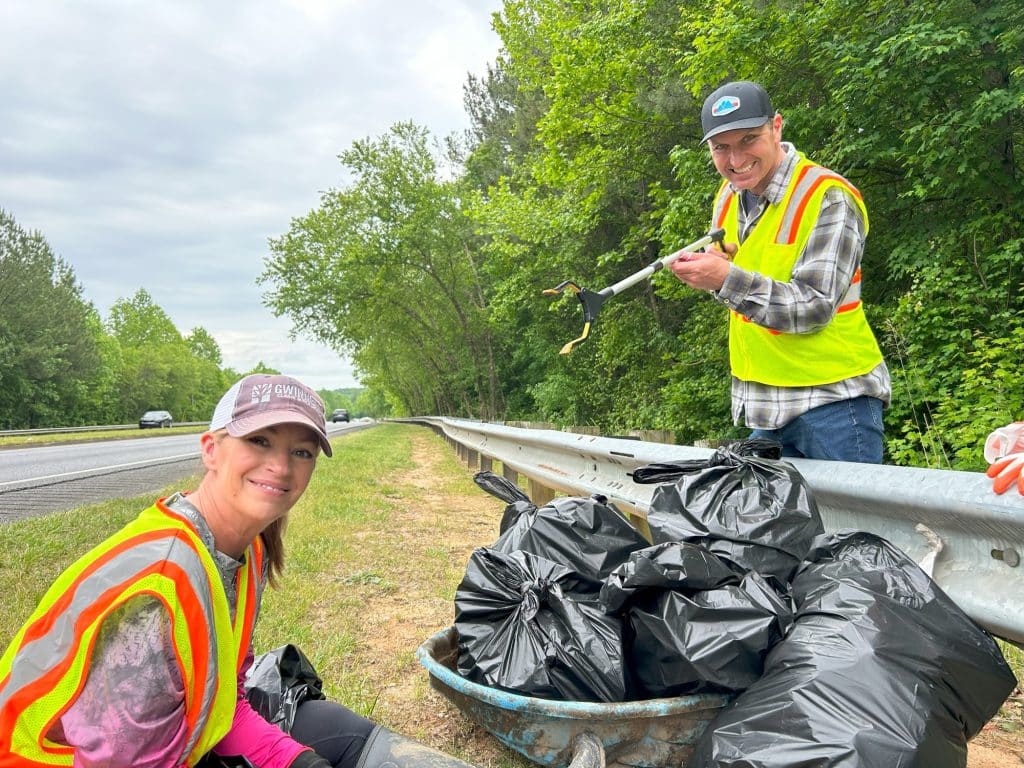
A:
846, 430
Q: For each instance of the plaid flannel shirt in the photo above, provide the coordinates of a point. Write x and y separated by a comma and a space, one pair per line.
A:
805, 303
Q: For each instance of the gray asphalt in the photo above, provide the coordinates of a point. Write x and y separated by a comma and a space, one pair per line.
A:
40, 500
43, 479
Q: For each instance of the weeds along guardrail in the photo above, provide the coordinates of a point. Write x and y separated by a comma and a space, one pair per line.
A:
968, 538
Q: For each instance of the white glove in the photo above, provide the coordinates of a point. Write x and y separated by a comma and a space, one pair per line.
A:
1004, 441
1004, 451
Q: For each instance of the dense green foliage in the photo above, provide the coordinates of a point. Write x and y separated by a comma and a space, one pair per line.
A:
584, 163
62, 365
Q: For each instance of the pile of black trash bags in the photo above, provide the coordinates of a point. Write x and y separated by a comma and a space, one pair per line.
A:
837, 650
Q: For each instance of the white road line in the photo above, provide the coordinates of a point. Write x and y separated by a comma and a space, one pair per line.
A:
97, 470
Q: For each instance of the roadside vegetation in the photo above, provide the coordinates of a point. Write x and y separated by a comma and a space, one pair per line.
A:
375, 551
14, 441
426, 263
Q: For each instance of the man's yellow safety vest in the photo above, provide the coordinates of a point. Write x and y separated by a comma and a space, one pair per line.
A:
845, 347
160, 555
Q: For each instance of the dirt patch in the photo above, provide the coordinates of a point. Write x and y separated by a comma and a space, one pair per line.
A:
441, 527
1001, 742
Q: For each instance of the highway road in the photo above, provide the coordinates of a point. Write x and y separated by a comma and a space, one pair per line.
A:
48, 478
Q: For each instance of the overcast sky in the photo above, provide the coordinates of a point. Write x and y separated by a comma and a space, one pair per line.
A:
158, 145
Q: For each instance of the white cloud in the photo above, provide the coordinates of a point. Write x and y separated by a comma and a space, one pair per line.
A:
160, 145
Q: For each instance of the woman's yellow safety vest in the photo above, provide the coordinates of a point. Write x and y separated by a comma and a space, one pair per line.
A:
161, 555
845, 347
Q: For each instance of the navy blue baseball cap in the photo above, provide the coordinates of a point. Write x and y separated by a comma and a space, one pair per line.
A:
739, 104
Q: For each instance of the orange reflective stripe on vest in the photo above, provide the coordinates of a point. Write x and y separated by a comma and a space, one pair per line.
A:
845, 347
159, 555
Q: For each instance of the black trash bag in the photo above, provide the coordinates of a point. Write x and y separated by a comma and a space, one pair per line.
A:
670, 471
671, 565
586, 534
514, 496
278, 681
534, 627
759, 513
693, 622
880, 669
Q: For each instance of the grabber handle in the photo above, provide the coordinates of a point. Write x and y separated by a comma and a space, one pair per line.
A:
714, 236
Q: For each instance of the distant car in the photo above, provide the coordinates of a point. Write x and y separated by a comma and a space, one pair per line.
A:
339, 414
155, 419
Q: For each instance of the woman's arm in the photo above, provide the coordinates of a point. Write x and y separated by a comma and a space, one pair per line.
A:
131, 710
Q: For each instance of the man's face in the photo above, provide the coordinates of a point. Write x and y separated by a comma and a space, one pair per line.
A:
747, 157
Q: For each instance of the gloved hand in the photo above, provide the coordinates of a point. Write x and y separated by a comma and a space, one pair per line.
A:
1007, 470
309, 759
1004, 450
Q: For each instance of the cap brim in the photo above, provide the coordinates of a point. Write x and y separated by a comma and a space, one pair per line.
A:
249, 424
750, 122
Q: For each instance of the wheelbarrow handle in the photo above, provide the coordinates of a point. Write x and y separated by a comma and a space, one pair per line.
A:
587, 752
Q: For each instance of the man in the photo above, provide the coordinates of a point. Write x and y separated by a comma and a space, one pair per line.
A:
806, 368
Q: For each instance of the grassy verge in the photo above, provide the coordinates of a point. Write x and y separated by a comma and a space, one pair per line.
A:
17, 441
376, 549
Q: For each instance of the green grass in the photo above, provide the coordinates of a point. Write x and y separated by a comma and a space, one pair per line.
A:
14, 441
345, 561
338, 553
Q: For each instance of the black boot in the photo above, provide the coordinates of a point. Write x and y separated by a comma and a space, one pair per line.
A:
387, 749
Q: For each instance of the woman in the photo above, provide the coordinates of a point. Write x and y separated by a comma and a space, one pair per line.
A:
137, 654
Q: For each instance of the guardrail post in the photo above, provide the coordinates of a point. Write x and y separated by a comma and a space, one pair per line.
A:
539, 494
509, 474
486, 463
472, 458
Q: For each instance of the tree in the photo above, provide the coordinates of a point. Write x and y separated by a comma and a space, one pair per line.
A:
203, 346
48, 348
385, 269
161, 368
138, 322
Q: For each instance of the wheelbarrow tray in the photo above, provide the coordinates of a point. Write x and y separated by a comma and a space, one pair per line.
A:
654, 733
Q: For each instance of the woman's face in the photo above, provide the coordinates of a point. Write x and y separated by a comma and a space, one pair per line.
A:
254, 480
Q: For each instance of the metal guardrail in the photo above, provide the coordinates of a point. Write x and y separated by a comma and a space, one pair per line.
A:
968, 538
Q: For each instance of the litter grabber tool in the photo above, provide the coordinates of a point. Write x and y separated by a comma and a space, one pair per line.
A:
592, 301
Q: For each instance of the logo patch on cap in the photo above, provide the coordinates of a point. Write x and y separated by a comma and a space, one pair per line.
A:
725, 105
261, 393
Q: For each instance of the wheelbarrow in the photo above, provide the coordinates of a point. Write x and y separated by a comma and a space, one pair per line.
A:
655, 733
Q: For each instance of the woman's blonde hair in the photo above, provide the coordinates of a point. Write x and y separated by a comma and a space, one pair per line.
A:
273, 547
272, 535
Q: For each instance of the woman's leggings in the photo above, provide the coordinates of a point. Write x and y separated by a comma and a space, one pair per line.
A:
334, 732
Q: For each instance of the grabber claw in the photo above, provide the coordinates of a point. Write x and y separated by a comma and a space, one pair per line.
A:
591, 303
593, 300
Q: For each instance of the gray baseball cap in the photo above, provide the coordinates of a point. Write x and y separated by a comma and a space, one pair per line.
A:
739, 104
263, 400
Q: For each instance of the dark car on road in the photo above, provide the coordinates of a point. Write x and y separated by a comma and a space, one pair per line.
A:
155, 419
339, 414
